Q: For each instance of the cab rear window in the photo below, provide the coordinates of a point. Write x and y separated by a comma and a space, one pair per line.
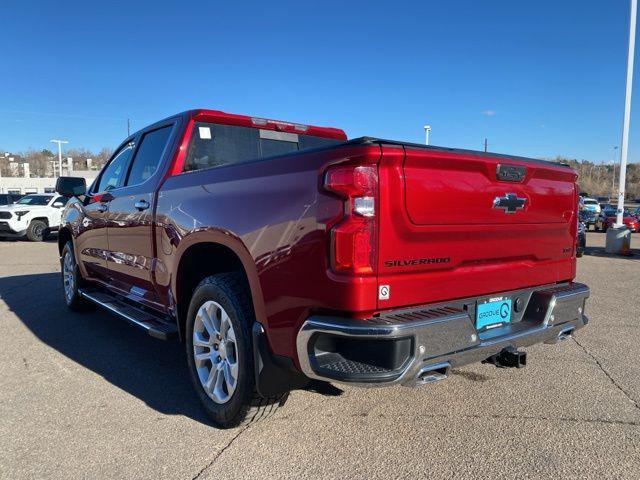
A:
213, 145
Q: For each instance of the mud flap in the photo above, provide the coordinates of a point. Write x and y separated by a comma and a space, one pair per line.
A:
273, 375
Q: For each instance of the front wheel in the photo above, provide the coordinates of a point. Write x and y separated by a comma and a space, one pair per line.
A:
37, 231
71, 279
220, 352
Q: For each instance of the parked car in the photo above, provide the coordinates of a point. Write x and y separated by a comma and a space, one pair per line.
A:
609, 217
636, 213
591, 204
282, 253
8, 199
587, 217
581, 243
33, 216
602, 200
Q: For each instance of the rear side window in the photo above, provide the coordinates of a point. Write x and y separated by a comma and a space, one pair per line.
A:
213, 145
149, 154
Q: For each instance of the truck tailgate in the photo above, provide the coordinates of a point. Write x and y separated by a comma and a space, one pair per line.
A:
455, 224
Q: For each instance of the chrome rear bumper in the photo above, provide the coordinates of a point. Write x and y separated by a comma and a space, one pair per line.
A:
418, 345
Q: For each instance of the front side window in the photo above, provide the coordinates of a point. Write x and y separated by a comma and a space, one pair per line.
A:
113, 175
149, 154
62, 200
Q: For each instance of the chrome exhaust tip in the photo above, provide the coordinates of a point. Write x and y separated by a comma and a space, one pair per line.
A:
430, 373
564, 334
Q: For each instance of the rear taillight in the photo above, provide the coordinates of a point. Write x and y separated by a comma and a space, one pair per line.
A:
353, 238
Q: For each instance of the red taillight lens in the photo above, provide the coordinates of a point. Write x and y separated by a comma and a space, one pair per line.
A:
353, 239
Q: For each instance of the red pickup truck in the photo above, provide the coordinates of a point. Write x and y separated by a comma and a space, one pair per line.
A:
283, 254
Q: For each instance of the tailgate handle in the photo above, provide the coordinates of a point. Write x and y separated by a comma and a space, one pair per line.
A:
510, 173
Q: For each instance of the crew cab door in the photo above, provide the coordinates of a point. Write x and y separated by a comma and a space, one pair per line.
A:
91, 240
131, 259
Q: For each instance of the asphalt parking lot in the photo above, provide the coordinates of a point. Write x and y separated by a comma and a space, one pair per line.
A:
88, 396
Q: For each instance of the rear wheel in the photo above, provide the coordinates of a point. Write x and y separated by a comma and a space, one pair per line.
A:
220, 352
37, 231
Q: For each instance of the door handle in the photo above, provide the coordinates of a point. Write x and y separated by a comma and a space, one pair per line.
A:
141, 205
102, 207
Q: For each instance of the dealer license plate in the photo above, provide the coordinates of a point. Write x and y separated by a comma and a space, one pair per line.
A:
493, 313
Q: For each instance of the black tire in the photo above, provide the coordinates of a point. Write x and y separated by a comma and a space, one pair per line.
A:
37, 231
74, 301
245, 405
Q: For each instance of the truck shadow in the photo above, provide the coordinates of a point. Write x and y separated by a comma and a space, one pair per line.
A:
152, 370
634, 253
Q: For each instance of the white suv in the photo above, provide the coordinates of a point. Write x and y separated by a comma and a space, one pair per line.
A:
33, 216
591, 204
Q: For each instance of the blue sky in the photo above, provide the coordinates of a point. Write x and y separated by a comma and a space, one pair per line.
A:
540, 78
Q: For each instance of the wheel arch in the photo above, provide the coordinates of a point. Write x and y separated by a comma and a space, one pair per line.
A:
64, 236
43, 219
203, 254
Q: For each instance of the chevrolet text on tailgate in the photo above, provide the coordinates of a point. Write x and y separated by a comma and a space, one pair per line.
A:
283, 254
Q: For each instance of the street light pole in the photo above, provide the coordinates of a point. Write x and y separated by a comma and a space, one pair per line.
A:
627, 111
613, 164
427, 129
59, 142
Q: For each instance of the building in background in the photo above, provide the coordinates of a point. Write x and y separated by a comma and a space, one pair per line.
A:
24, 185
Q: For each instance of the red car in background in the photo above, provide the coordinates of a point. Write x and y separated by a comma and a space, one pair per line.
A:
607, 219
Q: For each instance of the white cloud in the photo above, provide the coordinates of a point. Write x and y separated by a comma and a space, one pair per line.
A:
488, 113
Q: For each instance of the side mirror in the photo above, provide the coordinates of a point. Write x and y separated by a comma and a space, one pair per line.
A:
57, 205
71, 186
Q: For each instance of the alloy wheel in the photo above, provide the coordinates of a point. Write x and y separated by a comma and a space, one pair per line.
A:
68, 276
215, 352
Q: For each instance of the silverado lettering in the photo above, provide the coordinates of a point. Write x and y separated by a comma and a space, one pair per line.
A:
264, 247
416, 261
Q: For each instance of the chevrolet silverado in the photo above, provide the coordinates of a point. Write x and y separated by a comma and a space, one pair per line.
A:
283, 254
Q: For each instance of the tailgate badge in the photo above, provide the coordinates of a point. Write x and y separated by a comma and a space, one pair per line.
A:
510, 202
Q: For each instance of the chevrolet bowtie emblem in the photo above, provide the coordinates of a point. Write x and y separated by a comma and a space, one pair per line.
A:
510, 202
